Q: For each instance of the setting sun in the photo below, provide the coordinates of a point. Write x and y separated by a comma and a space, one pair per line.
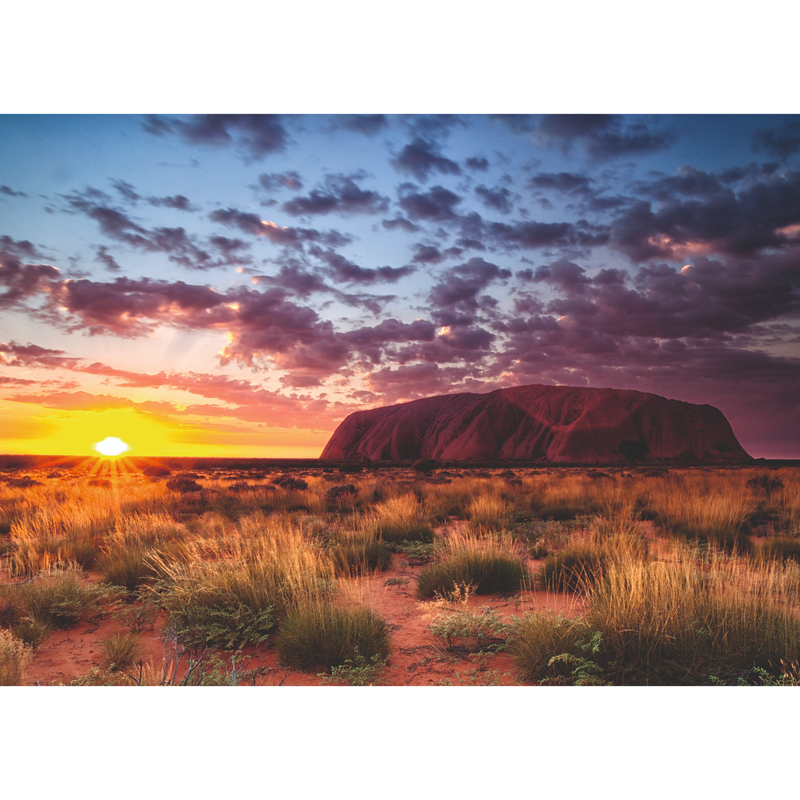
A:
111, 446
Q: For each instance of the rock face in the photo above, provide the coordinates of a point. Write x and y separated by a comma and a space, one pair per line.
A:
538, 423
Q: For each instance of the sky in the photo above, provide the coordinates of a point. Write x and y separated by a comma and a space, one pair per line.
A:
237, 284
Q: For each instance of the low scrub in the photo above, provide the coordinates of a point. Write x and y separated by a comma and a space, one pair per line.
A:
779, 549
15, 656
322, 634
576, 568
119, 650
538, 642
490, 569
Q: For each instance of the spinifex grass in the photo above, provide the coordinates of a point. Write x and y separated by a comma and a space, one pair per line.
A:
119, 650
491, 565
403, 517
127, 560
320, 633
15, 656
670, 623
359, 552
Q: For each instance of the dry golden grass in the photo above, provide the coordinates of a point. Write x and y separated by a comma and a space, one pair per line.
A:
242, 552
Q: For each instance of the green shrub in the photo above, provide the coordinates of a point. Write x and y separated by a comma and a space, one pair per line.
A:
321, 634
206, 612
358, 672
57, 598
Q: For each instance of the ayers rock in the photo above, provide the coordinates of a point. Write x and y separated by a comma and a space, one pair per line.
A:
538, 423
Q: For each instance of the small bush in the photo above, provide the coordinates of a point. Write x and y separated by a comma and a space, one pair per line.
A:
356, 556
119, 650
321, 634
32, 631
765, 485
15, 656
779, 549
290, 484
490, 571
575, 568
538, 639
358, 672
183, 484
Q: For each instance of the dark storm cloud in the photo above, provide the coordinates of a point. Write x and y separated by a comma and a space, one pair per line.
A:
697, 211
498, 198
421, 157
781, 141
279, 235
602, 136
255, 135
10, 192
340, 194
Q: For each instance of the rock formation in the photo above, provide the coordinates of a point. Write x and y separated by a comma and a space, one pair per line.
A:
563, 424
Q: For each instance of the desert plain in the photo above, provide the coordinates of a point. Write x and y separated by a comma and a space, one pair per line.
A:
123, 572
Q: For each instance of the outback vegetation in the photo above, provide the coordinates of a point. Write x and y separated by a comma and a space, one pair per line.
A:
418, 574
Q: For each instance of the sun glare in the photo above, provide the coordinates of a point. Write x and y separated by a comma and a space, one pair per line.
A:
111, 446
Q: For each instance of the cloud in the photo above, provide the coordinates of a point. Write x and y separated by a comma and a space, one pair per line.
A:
254, 135
277, 181
436, 205
104, 257
697, 213
498, 198
366, 124
279, 235
32, 355
602, 136
10, 192
421, 157
180, 247
477, 163
517, 123
459, 286
342, 195
400, 222
780, 142
18, 280
343, 270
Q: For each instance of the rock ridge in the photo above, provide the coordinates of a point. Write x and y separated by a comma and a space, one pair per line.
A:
558, 424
